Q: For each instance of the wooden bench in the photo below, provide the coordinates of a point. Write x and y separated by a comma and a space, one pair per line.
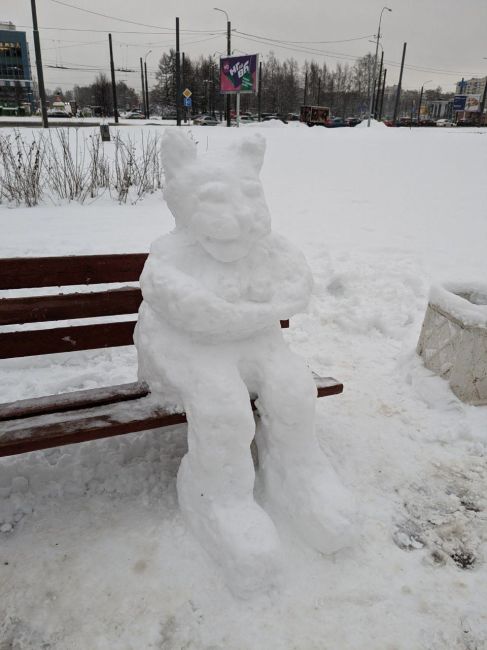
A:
55, 420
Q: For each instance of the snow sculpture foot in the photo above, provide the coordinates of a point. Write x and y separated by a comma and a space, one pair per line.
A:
237, 534
311, 503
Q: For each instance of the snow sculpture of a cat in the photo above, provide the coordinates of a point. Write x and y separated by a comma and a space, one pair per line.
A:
208, 334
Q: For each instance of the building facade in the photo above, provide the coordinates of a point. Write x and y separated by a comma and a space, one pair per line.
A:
474, 86
15, 69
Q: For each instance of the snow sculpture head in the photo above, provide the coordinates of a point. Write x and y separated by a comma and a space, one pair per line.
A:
221, 203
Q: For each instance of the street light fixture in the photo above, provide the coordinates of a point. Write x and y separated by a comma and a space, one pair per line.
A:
229, 52
375, 64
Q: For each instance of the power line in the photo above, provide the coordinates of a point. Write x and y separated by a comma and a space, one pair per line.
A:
349, 57
214, 32
278, 40
122, 20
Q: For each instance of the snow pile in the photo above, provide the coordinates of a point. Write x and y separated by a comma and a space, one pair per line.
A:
208, 334
374, 124
466, 302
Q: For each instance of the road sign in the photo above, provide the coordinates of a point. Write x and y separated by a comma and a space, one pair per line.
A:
187, 102
187, 93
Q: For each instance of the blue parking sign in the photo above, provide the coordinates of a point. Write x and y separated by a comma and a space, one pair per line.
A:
187, 102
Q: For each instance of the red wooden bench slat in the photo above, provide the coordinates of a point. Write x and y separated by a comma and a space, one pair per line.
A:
82, 399
101, 422
23, 273
94, 420
28, 343
36, 309
75, 400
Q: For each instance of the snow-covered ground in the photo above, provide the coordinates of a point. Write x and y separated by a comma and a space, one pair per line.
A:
93, 552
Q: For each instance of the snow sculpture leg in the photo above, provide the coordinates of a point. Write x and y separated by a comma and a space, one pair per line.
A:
298, 480
216, 481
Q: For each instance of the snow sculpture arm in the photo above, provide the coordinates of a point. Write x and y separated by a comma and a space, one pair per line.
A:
189, 306
293, 281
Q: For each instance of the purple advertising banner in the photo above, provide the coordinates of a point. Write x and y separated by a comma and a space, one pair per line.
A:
238, 74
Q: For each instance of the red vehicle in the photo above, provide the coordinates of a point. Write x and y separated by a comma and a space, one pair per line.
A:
312, 115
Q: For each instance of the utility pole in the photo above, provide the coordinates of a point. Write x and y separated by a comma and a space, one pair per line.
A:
421, 99
114, 87
305, 95
398, 93
40, 74
143, 86
185, 109
178, 77
420, 102
229, 53
382, 95
147, 110
259, 92
376, 99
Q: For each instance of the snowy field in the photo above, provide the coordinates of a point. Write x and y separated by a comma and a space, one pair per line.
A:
94, 554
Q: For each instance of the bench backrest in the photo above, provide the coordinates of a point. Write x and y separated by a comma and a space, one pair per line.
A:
23, 273
36, 272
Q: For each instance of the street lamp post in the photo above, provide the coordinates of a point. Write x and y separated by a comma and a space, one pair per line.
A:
421, 99
229, 52
375, 65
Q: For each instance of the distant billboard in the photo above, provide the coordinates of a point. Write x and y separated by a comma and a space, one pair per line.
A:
459, 102
472, 103
239, 74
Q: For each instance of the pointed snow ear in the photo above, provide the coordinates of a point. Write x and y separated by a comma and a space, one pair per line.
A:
252, 150
177, 151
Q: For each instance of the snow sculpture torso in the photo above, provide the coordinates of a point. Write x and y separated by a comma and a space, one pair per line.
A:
208, 334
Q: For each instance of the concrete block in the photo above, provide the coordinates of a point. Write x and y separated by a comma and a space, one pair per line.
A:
453, 339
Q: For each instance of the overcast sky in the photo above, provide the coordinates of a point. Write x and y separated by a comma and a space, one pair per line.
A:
446, 38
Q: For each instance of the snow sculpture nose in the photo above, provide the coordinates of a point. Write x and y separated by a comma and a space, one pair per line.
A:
220, 226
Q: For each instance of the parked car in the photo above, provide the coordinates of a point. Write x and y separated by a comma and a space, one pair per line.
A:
205, 120
335, 122
424, 121
467, 121
57, 113
444, 122
353, 121
267, 117
135, 115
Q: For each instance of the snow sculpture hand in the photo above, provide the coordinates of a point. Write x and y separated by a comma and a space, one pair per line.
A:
208, 333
